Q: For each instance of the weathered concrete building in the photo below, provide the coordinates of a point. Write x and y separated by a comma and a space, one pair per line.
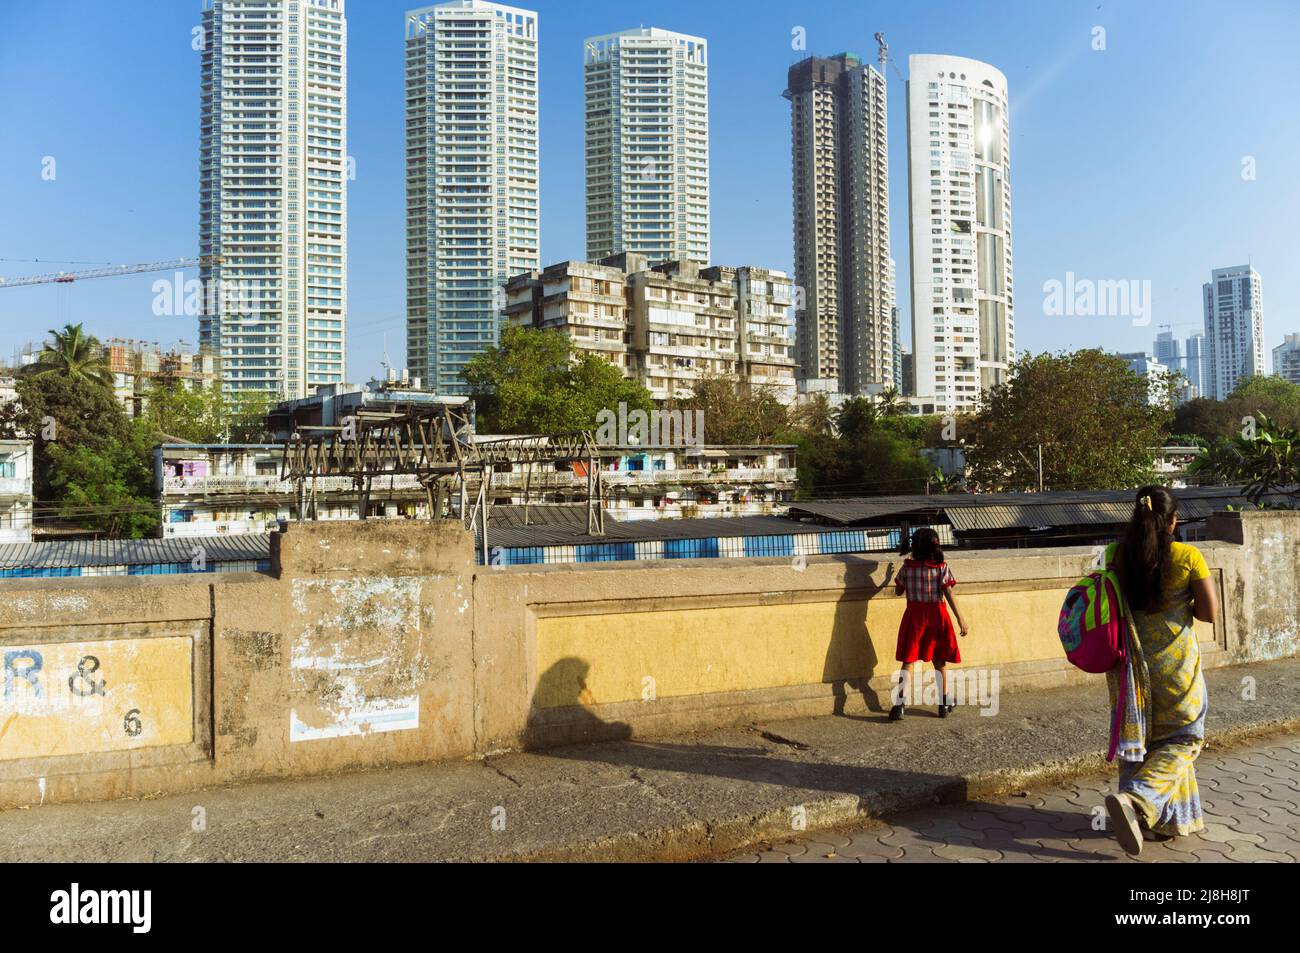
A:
585, 301
15, 491
667, 325
224, 489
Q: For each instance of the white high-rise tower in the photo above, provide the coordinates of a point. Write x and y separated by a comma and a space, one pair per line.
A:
959, 185
647, 142
1234, 328
471, 179
273, 172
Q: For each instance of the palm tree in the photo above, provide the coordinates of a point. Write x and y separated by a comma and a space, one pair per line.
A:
891, 402
1267, 461
856, 416
74, 354
817, 416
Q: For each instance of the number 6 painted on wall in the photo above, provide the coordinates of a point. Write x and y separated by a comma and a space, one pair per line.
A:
131, 724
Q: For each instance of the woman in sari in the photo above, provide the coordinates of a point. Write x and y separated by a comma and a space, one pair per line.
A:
1166, 586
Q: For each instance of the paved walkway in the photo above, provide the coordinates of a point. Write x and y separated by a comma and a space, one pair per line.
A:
682, 798
1251, 798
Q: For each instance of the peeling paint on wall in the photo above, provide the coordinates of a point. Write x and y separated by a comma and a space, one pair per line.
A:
368, 718
358, 663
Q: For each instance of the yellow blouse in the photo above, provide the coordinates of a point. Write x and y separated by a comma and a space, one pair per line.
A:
1187, 565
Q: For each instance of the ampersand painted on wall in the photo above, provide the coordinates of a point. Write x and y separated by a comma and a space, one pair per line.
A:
86, 675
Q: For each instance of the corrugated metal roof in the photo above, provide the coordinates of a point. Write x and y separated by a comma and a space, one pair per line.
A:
132, 552
1016, 510
1027, 516
642, 531
847, 512
544, 514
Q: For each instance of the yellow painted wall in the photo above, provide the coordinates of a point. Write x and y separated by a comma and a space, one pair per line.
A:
146, 684
604, 658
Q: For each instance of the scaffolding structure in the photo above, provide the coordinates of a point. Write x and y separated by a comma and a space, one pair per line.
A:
436, 445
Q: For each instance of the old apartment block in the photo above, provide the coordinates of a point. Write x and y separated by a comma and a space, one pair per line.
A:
668, 325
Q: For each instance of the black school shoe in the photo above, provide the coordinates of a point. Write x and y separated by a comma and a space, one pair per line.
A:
896, 713
944, 710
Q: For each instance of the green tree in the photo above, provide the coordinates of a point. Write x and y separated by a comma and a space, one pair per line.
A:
173, 411
90, 466
1211, 420
534, 383
735, 413
74, 354
1265, 459
1087, 410
205, 415
1204, 418
892, 403
106, 490
246, 415
814, 416
864, 453
856, 418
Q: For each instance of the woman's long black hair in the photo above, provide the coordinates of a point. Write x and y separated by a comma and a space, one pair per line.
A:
925, 546
1145, 551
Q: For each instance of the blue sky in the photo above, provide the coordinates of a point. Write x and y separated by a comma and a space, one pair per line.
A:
1126, 163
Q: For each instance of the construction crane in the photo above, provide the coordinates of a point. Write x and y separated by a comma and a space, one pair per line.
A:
67, 277
886, 58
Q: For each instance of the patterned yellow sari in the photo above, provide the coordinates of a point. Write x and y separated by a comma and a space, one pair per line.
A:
1162, 728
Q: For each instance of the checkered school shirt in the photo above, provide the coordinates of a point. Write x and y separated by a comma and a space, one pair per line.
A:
924, 582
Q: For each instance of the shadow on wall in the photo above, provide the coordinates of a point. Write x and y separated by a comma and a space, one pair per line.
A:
850, 663
851, 658
565, 683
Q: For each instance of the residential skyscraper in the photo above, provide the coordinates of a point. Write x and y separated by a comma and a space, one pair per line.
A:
1234, 328
1155, 371
273, 171
1168, 350
471, 179
1195, 363
847, 329
1286, 359
647, 145
959, 186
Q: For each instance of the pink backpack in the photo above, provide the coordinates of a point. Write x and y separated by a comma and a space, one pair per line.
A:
1093, 627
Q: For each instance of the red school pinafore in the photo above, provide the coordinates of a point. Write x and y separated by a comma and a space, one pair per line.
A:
926, 633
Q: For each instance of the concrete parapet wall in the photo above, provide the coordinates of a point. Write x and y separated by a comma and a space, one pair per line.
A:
381, 643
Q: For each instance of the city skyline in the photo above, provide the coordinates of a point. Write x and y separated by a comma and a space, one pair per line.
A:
376, 312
